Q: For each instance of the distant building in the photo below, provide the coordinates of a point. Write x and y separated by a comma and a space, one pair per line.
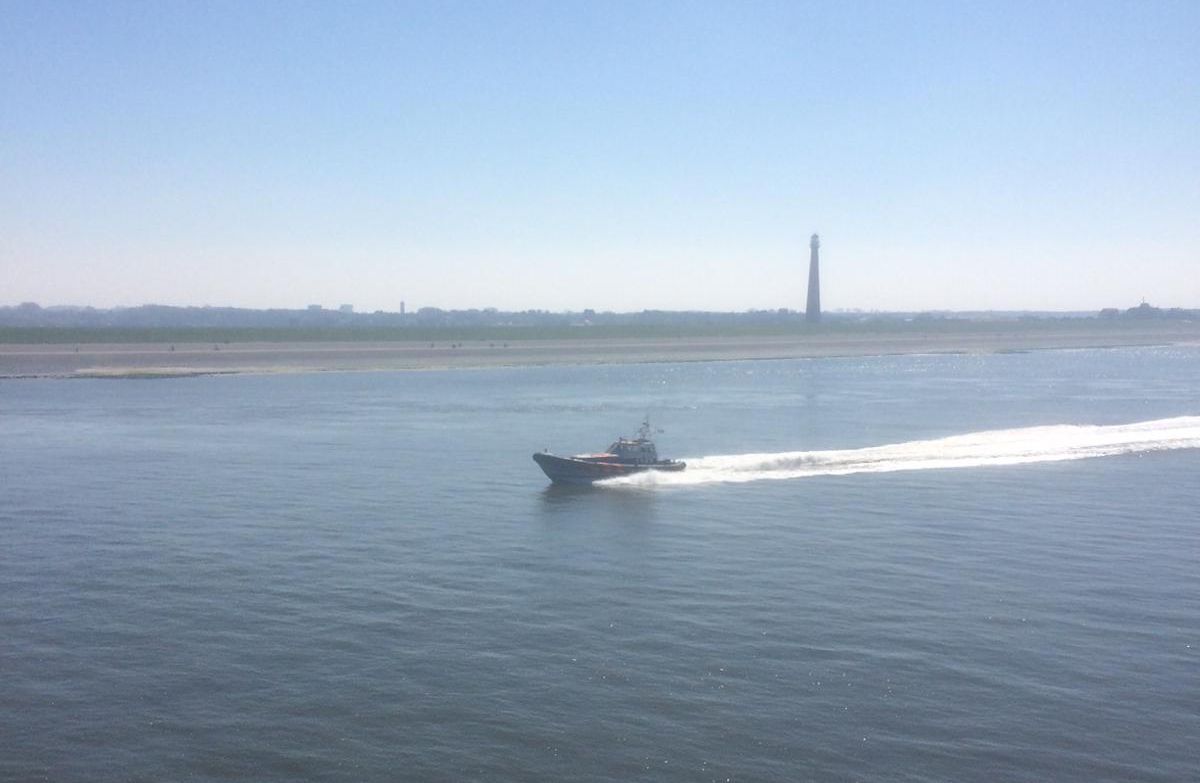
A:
1145, 310
812, 312
314, 308
346, 308
401, 307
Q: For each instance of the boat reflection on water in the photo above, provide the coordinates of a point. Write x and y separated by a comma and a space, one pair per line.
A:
596, 503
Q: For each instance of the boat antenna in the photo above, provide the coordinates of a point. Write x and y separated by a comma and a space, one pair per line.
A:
645, 431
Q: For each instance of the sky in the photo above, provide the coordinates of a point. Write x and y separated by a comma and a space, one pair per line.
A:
620, 156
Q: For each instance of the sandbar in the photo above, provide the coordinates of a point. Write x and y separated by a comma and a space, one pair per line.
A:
159, 360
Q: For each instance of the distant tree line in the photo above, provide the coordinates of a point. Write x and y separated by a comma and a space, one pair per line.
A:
30, 314
30, 323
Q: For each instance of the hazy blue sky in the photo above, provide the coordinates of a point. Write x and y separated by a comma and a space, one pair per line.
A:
610, 155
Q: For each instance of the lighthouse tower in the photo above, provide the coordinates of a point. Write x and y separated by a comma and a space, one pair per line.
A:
812, 312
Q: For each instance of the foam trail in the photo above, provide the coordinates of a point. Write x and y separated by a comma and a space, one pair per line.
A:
996, 447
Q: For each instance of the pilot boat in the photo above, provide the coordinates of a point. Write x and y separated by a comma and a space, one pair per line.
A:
624, 457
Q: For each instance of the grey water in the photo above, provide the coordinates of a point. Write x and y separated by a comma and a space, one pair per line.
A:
364, 577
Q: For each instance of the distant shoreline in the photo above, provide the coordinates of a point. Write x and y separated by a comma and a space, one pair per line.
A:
160, 360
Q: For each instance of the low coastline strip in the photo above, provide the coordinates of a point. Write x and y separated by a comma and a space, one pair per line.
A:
152, 360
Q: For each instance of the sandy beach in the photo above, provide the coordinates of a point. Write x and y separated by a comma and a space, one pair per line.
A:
156, 360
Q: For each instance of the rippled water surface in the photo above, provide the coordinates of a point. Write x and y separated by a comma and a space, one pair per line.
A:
364, 576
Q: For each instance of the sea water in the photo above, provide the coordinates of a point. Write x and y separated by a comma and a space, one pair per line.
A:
898, 568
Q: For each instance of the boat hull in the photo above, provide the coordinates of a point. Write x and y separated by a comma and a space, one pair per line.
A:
573, 470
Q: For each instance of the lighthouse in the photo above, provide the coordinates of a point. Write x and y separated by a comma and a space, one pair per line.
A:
812, 313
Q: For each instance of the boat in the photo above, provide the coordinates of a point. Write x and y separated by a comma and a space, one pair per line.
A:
624, 457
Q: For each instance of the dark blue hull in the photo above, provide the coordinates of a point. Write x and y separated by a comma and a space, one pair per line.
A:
573, 470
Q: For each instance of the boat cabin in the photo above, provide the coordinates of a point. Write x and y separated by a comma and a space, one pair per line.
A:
636, 451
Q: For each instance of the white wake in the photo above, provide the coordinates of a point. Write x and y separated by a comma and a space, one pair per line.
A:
996, 447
